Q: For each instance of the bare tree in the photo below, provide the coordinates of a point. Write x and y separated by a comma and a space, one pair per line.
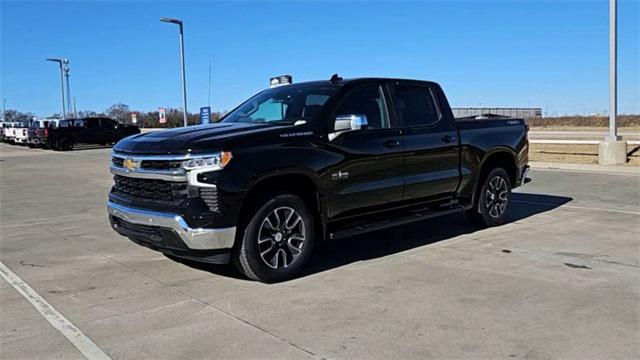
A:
120, 112
15, 116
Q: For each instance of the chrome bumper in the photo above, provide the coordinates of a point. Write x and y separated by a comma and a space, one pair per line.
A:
195, 239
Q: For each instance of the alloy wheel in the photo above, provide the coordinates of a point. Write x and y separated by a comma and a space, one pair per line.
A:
281, 238
497, 196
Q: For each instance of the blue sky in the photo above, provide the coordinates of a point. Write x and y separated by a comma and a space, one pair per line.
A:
549, 54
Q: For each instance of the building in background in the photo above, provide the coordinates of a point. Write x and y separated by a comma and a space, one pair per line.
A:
522, 113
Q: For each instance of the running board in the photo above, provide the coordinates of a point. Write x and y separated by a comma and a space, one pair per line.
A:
361, 229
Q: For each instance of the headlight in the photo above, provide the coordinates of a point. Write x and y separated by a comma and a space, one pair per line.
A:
212, 162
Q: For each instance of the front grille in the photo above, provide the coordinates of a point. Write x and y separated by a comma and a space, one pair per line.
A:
150, 164
159, 190
117, 161
160, 164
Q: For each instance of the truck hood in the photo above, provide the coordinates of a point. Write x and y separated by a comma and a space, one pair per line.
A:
191, 139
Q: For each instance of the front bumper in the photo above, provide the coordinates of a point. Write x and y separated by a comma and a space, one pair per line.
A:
192, 238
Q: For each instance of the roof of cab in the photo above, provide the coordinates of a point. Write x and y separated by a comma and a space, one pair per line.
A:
343, 82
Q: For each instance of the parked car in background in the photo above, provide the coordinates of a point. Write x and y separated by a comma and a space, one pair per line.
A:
3, 127
21, 132
37, 132
9, 132
98, 130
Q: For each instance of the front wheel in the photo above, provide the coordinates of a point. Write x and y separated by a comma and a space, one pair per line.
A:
277, 240
493, 201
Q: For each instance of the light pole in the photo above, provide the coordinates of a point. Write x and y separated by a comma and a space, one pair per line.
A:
613, 151
66, 75
60, 62
182, 64
613, 67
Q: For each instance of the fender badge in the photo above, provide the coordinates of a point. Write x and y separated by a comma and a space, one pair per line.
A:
340, 175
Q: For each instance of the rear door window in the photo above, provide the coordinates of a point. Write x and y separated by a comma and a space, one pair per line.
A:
108, 124
93, 124
416, 105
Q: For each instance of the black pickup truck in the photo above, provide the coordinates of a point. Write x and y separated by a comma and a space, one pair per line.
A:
297, 164
65, 134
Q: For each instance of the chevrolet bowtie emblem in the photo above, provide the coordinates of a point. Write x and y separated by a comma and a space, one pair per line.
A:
130, 164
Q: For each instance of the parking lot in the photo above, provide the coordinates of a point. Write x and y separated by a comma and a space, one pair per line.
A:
561, 280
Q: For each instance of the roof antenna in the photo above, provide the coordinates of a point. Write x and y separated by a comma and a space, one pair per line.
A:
335, 79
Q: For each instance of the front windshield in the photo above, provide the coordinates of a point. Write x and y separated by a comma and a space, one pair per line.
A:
283, 105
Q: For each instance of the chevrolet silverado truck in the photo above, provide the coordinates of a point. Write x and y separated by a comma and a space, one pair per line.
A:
92, 130
301, 163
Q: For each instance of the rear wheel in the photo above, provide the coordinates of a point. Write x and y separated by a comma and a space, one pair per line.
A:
277, 241
493, 200
66, 145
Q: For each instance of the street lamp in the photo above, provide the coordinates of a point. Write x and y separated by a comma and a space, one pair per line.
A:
613, 151
66, 75
61, 62
182, 64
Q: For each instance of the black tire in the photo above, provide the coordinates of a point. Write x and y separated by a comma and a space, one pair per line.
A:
261, 254
493, 200
66, 145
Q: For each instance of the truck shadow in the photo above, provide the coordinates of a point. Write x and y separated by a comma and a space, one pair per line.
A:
336, 253
390, 241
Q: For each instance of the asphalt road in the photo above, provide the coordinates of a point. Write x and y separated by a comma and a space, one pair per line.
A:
561, 280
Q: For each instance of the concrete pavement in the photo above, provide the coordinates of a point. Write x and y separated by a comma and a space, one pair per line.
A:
561, 280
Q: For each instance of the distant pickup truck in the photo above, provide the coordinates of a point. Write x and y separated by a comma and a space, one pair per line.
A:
64, 135
297, 164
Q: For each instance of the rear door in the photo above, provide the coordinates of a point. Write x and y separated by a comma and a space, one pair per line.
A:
431, 144
92, 132
109, 130
368, 176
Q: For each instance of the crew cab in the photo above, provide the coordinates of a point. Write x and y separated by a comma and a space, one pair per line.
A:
297, 164
94, 130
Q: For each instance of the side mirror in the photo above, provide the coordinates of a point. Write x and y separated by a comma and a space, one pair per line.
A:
350, 122
346, 123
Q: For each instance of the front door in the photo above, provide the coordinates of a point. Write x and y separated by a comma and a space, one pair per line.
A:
368, 175
431, 144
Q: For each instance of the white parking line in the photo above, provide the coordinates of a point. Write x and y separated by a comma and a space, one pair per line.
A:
87, 347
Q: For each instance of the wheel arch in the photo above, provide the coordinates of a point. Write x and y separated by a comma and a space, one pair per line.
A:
298, 183
500, 157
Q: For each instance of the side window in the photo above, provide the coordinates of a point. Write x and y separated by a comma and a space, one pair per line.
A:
108, 124
368, 101
416, 105
93, 124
